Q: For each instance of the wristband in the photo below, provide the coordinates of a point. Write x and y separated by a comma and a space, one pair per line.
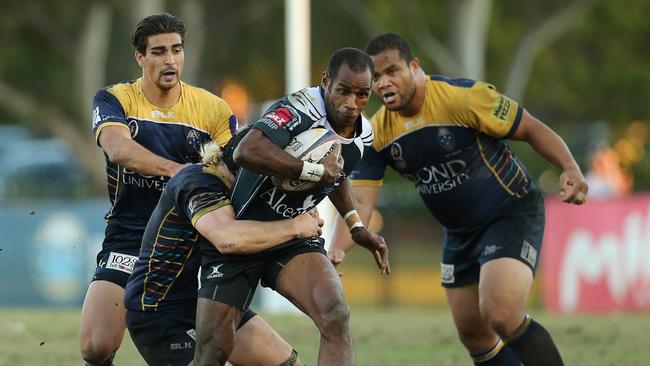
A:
352, 219
312, 172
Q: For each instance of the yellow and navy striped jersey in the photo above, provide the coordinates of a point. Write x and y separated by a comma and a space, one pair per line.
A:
165, 276
175, 133
454, 150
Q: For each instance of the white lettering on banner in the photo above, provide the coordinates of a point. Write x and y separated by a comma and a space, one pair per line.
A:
441, 178
622, 260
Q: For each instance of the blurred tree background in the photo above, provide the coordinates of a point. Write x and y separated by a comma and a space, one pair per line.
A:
581, 66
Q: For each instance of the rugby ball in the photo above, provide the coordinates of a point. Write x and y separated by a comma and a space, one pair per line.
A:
312, 146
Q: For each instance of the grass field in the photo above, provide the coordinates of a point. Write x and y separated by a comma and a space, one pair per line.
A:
388, 337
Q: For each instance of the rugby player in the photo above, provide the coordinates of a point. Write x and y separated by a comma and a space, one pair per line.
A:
148, 128
448, 136
298, 269
194, 211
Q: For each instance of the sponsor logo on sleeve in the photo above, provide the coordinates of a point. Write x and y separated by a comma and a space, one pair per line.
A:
202, 200
502, 109
216, 273
121, 262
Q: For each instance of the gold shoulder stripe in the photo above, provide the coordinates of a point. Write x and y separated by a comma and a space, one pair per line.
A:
367, 183
204, 211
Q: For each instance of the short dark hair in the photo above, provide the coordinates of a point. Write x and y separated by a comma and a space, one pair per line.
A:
357, 61
390, 41
156, 24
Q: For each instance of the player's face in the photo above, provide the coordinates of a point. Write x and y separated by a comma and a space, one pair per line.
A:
394, 79
347, 94
163, 62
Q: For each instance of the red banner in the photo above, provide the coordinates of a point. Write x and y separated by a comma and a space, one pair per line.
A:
596, 257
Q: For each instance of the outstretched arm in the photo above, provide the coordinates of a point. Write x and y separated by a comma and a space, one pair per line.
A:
353, 230
121, 149
573, 185
232, 236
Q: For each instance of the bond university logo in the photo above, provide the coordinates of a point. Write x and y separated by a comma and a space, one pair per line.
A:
216, 273
529, 253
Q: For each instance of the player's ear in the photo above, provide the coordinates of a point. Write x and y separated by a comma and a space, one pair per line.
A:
414, 64
139, 58
325, 80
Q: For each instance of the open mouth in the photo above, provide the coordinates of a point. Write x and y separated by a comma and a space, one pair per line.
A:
389, 97
168, 75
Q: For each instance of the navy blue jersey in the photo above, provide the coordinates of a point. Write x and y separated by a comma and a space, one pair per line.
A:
453, 150
175, 133
165, 275
254, 196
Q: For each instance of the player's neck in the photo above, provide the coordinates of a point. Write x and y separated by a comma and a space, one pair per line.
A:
161, 98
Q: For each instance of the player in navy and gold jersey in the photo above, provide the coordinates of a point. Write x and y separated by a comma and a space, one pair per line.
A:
448, 136
194, 211
149, 129
297, 269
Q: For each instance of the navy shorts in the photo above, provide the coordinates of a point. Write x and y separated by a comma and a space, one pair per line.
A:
119, 253
233, 279
167, 338
516, 231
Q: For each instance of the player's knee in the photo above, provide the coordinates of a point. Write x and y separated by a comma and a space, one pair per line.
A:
474, 338
502, 319
97, 354
335, 318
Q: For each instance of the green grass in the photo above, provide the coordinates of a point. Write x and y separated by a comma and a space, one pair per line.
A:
394, 336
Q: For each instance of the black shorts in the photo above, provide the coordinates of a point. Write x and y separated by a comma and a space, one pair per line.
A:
515, 232
119, 253
167, 338
233, 279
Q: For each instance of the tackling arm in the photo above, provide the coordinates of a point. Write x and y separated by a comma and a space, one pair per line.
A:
232, 236
573, 185
120, 148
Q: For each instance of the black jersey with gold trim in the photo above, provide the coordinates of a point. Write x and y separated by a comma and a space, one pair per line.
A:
175, 133
453, 150
165, 275
254, 196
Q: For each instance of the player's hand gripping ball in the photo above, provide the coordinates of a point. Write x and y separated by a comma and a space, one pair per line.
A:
312, 146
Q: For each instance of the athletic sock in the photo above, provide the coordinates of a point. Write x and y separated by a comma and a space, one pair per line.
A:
499, 355
533, 345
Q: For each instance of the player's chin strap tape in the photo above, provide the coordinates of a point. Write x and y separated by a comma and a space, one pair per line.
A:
291, 361
311, 171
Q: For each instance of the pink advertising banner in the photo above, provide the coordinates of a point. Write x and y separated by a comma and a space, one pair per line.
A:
596, 257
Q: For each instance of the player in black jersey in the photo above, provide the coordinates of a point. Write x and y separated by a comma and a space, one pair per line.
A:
298, 269
448, 136
194, 210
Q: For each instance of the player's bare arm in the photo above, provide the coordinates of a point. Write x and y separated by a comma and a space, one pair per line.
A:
258, 154
232, 236
573, 185
116, 141
342, 200
364, 198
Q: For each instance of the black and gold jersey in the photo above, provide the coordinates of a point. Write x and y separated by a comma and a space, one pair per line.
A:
453, 150
165, 275
175, 133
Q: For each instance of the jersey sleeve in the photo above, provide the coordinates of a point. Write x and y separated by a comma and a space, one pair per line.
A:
483, 108
281, 122
107, 111
201, 193
371, 168
225, 123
